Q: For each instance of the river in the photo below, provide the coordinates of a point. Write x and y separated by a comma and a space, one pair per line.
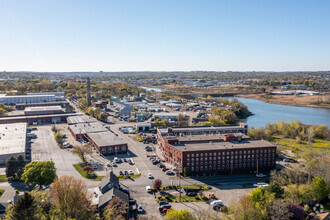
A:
150, 88
266, 112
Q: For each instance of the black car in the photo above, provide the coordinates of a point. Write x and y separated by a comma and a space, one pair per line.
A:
155, 162
125, 160
165, 206
163, 203
126, 173
120, 172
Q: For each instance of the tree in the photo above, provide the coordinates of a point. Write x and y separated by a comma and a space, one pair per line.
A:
88, 169
83, 103
103, 116
59, 138
320, 187
71, 198
261, 198
181, 214
310, 134
310, 158
25, 208
41, 173
279, 210
15, 167
297, 211
275, 187
82, 150
157, 184
116, 210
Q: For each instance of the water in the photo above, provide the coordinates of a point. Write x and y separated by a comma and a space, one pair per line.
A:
266, 112
150, 88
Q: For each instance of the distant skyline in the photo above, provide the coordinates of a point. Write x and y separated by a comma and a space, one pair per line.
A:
164, 35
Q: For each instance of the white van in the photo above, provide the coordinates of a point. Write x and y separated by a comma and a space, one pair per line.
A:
148, 188
116, 159
216, 203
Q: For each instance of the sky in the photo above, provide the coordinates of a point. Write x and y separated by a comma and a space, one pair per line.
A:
164, 35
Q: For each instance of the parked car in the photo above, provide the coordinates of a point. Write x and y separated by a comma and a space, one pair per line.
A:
121, 172
140, 209
165, 169
261, 175
286, 160
161, 165
94, 166
293, 161
125, 160
108, 165
148, 188
216, 203
150, 176
191, 193
125, 172
169, 172
116, 159
131, 172
114, 164
260, 184
161, 202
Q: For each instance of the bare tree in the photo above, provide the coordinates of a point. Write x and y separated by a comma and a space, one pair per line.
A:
82, 150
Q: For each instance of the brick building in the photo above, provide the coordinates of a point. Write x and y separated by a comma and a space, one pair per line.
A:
202, 152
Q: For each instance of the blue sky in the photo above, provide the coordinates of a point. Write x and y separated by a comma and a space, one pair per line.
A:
156, 35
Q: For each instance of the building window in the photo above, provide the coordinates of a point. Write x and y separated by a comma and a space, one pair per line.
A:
210, 162
201, 154
192, 169
232, 153
227, 153
188, 159
192, 159
123, 148
110, 150
197, 159
205, 167
201, 167
192, 164
219, 167
236, 152
196, 168
210, 167
197, 163
214, 153
210, 158
103, 151
188, 164
193, 155
188, 155
201, 163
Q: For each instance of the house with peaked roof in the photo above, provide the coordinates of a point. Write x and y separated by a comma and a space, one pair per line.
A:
108, 182
109, 195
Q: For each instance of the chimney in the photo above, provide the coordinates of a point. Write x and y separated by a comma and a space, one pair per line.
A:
89, 91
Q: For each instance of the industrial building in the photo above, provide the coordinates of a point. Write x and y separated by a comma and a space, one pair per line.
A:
13, 100
12, 141
166, 115
103, 140
36, 119
202, 151
59, 96
43, 110
22, 106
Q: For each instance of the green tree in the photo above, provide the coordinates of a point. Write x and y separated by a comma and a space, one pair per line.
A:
82, 150
261, 198
275, 187
15, 167
25, 208
59, 138
320, 188
41, 173
181, 214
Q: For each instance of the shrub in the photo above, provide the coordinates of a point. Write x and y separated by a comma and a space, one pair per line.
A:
204, 198
197, 197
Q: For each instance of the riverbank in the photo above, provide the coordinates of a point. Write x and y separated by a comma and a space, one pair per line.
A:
319, 101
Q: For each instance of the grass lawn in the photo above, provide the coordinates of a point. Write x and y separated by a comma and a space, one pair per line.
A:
1, 192
79, 168
202, 187
3, 178
185, 198
126, 177
291, 144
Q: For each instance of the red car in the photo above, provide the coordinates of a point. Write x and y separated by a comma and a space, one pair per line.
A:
165, 169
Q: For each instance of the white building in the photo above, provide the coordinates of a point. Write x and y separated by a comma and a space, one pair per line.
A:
59, 96
167, 115
12, 141
12, 100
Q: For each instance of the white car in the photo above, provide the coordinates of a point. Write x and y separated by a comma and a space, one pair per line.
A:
260, 184
140, 209
116, 159
130, 172
216, 203
148, 189
261, 175
150, 176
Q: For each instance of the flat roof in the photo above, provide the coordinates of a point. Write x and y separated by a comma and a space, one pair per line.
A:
18, 117
45, 108
204, 137
42, 103
166, 114
83, 128
105, 138
226, 145
13, 138
79, 119
201, 128
29, 96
